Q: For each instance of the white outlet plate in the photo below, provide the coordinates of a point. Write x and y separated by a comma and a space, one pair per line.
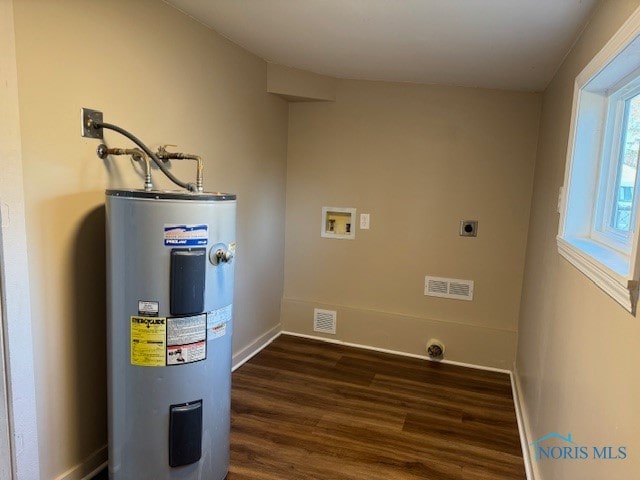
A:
364, 221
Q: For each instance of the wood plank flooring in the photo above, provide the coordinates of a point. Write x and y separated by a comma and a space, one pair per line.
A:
303, 409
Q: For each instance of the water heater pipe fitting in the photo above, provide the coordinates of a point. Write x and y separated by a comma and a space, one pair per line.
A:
164, 154
138, 155
97, 125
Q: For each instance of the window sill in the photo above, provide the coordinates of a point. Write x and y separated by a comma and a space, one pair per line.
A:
607, 268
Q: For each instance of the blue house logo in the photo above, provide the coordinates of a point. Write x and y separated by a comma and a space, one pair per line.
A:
558, 447
548, 452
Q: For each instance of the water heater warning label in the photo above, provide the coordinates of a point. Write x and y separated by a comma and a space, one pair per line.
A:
184, 330
182, 235
148, 341
148, 308
183, 354
217, 322
186, 339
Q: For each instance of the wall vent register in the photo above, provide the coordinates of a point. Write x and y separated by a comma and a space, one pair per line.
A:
448, 288
324, 321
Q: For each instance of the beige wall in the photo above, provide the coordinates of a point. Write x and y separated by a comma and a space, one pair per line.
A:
577, 348
419, 159
299, 85
168, 79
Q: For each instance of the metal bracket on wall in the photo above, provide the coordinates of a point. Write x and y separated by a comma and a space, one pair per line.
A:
88, 118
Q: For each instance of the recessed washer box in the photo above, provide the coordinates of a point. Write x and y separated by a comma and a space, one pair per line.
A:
338, 222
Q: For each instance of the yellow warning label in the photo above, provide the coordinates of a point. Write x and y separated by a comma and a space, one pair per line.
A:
148, 341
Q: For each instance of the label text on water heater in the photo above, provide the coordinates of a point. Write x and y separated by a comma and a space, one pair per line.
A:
185, 235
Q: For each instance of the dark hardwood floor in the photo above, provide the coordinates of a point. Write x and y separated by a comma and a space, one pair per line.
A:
303, 409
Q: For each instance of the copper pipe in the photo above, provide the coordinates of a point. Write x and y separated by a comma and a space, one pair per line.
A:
137, 154
163, 154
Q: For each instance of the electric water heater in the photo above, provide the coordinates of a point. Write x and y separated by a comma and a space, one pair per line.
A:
170, 295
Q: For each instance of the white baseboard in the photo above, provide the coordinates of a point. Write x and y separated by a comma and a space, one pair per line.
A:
396, 352
476, 345
522, 426
101, 467
255, 347
90, 467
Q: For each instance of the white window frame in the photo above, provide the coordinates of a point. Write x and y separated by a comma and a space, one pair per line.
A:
615, 126
608, 256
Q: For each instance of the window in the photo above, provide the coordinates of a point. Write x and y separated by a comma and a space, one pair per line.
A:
615, 205
598, 230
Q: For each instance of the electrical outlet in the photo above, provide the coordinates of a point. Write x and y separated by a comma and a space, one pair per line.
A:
469, 228
88, 117
364, 221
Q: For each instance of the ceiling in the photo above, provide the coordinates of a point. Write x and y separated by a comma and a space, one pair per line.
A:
502, 44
